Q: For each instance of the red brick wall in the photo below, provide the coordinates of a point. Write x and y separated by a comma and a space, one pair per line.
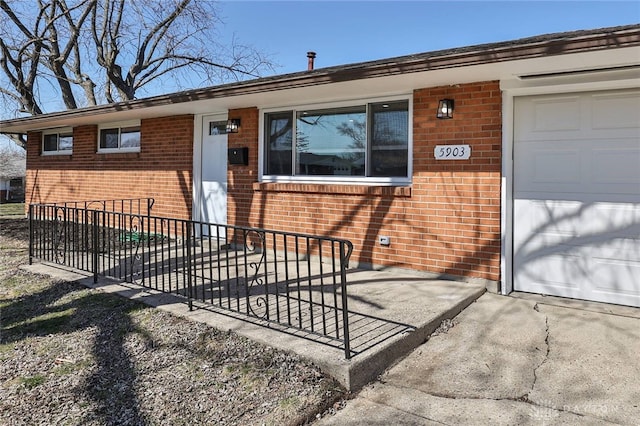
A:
447, 222
161, 170
456, 203
240, 196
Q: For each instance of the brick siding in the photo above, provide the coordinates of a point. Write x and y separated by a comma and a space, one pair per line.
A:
161, 170
447, 222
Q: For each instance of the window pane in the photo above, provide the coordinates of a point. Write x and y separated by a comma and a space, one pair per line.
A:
331, 141
279, 138
50, 142
109, 138
218, 128
389, 139
130, 137
66, 142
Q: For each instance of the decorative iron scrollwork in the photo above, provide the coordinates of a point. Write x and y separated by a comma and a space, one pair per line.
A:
254, 242
134, 236
96, 205
59, 232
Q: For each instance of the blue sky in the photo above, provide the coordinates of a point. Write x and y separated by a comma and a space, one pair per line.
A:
344, 32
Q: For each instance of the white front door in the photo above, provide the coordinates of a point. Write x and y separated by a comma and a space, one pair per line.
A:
213, 203
577, 196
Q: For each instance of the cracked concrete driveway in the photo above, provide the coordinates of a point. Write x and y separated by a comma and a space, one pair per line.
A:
512, 361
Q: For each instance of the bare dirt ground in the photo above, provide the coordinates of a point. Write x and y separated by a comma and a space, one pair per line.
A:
74, 356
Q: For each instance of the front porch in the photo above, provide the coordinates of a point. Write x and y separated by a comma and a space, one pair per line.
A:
390, 312
292, 291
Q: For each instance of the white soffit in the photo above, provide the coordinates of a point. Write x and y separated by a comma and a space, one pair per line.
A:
407, 83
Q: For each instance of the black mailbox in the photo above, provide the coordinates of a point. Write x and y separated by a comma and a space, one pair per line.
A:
239, 156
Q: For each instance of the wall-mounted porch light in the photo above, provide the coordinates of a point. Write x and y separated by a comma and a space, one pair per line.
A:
233, 125
445, 108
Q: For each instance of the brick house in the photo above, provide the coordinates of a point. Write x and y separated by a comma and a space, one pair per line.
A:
532, 185
12, 173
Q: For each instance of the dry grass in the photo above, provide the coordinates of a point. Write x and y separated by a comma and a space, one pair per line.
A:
74, 356
12, 210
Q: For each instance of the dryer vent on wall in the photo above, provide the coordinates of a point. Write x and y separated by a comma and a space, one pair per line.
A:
239, 156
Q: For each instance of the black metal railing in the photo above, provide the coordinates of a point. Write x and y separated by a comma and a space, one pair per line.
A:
295, 280
139, 206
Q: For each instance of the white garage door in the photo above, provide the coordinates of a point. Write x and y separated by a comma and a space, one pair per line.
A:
577, 196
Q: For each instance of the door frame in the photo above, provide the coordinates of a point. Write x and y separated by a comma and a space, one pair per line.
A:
198, 121
545, 85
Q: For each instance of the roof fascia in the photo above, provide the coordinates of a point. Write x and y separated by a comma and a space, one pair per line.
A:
533, 47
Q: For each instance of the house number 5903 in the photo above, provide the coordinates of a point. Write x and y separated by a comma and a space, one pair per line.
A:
452, 152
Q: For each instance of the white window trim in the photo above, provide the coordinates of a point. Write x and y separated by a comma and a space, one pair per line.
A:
338, 180
117, 125
57, 131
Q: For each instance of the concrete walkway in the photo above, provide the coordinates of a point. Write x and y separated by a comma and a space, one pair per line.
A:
514, 361
390, 314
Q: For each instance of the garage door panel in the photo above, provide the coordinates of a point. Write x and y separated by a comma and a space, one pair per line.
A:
620, 166
597, 166
577, 198
620, 256
611, 276
556, 167
543, 167
553, 217
556, 114
569, 243
548, 274
552, 269
609, 220
615, 112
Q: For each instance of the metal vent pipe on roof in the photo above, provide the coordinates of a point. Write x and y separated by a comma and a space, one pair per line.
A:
311, 56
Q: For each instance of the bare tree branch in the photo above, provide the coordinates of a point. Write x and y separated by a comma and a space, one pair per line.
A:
18, 23
12, 162
23, 84
77, 51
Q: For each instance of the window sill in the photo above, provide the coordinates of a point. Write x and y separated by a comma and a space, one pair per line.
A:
119, 151
65, 154
117, 155
310, 188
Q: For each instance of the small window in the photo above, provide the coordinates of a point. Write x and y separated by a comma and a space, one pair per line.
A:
367, 142
121, 138
57, 142
217, 128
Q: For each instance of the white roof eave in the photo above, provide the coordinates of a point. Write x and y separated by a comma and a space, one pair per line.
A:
503, 71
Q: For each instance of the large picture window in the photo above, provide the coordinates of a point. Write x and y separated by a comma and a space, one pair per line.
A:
124, 137
343, 143
57, 142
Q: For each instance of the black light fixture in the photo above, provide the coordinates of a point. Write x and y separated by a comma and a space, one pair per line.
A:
445, 108
233, 125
